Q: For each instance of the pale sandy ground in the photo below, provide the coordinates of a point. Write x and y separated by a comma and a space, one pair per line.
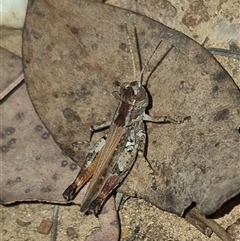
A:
20, 222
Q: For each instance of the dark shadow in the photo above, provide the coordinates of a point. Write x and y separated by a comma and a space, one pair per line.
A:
226, 207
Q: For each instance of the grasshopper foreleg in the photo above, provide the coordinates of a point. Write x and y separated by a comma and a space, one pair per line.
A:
98, 127
164, 119
93, 129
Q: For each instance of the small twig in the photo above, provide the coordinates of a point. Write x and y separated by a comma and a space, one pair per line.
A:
55, 223
10, 87
191, 218
225, 52
213, 225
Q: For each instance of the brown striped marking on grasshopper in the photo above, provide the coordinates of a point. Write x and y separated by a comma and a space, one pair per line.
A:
113, 156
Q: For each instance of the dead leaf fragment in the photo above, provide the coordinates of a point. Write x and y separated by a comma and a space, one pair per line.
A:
234, 230
45, 227
109, 221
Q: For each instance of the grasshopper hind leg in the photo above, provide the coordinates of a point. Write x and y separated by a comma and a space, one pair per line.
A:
95, 206
98, 203
86, 172
112, 183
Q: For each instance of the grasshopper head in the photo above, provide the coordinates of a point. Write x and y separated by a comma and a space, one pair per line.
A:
134, 94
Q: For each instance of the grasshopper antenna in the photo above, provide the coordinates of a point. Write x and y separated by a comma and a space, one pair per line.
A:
150, 58
131, 51
159, 62
140, 59
132, 56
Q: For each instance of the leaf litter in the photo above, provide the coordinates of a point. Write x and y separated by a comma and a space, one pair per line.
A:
195, 162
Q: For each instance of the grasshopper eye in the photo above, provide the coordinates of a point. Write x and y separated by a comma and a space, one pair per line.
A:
139, 91
141, 94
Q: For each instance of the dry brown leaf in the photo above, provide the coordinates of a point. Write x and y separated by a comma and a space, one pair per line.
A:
33, 166
74, 55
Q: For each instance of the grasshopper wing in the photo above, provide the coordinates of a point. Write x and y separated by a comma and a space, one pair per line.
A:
112, 175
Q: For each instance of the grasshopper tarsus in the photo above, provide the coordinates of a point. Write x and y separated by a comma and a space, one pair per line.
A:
180, 121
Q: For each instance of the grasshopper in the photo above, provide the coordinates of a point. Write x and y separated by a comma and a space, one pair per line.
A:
113, 156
